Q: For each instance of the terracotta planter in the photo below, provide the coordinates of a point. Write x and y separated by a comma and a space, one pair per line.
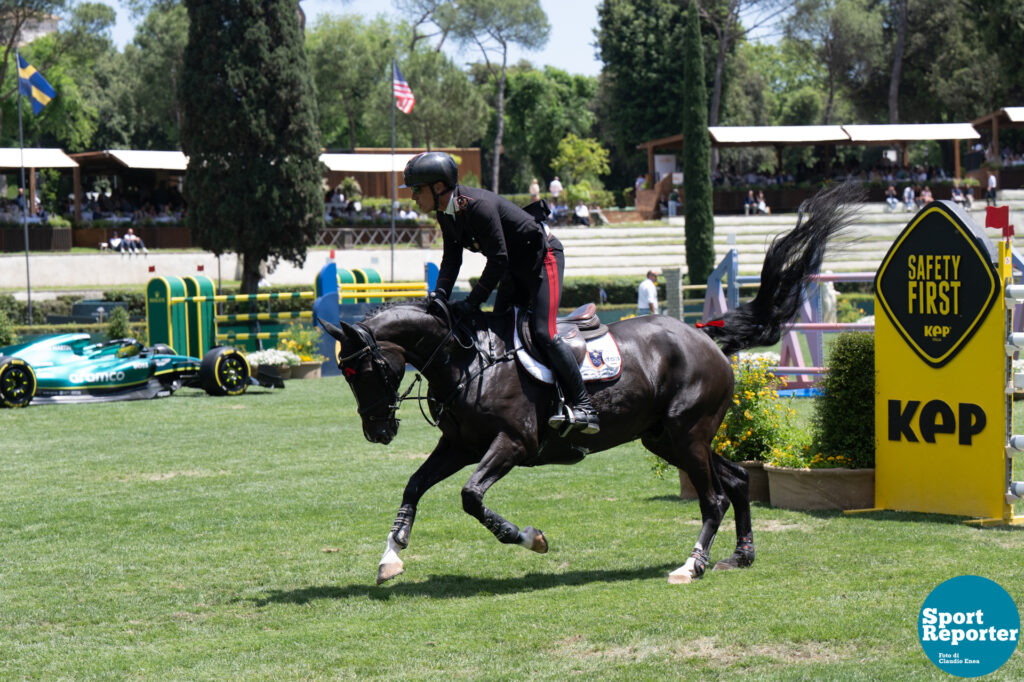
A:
306, 370
758, 483
821, 488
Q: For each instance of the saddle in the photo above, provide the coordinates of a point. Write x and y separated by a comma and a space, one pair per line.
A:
594, 348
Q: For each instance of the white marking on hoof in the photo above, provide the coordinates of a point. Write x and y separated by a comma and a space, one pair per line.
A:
685, 574
386, 572
390, 564
533, 539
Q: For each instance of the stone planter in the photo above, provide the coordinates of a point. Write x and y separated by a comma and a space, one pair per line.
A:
821, 488
758, 483
283, 371
306, 370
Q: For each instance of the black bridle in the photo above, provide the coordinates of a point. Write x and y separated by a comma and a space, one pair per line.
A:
390, 380
383, 371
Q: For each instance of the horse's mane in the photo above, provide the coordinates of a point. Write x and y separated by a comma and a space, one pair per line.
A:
419, 304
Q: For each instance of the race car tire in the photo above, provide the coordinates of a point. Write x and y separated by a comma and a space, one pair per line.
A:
17, 382
224, 371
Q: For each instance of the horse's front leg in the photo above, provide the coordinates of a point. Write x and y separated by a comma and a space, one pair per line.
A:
503, 454
442, 463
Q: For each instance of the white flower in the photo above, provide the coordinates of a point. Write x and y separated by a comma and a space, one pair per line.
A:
273, 358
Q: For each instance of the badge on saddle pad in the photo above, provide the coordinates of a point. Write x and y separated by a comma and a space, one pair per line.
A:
937, 283
602, 362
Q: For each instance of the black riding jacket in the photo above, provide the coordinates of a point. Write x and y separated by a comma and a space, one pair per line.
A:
510, 238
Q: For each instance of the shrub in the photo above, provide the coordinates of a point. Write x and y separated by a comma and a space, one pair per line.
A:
758, 421
7, 335
844, 417
117, 325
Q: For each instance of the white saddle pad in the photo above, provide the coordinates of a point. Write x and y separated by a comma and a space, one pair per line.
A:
602, 362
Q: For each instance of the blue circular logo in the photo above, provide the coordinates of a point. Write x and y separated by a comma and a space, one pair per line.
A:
968, 626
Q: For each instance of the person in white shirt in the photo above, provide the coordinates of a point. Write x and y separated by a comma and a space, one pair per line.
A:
647, 295
582, 216
555, 188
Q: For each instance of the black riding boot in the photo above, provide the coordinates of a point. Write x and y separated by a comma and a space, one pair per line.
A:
581, 413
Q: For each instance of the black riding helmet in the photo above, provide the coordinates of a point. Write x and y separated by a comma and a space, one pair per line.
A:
430, 167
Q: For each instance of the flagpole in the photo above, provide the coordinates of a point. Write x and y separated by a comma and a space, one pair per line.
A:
24, 196
391, 101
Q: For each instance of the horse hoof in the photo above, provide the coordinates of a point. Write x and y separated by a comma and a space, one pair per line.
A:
737, 560
679, 578
534, 540
386, 572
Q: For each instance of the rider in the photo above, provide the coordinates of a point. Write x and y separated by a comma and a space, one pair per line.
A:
522, 255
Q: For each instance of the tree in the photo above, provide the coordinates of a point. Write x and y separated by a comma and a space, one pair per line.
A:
899, 12
15, 17
156, 58
437, 82
580, 159
724, 19
254, 174
845, 36
493, 26
350, 59
641, 85
541, 108
700, 221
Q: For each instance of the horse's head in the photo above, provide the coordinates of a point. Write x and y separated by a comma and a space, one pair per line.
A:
374, 374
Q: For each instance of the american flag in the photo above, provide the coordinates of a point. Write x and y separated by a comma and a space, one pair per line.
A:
404, 99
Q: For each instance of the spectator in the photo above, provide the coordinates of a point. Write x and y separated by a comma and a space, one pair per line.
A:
673, 203
957, 195
969, 198
990, 193
891, 199
534, 190
639, 184
556, 189
762, 205
132, 243
581, 216
750, 203
908, 198
926, 196
647, 295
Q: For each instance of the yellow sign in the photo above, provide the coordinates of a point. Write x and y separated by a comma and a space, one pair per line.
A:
940, 370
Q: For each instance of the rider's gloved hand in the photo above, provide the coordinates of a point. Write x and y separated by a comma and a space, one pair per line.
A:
465, 308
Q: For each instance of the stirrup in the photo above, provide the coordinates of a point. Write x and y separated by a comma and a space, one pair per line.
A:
580, 419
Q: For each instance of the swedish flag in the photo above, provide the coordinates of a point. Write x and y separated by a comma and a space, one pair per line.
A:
34, 86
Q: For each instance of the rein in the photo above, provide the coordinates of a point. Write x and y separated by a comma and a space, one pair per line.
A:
394, 401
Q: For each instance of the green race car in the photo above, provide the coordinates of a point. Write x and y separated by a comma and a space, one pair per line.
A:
70, 368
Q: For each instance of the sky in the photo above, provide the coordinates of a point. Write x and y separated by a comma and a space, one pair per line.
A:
569, 47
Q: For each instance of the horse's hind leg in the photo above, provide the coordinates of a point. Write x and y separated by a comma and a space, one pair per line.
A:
691, 452
501, 458
442, 463
735, 481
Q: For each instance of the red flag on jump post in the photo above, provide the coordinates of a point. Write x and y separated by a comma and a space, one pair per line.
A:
998, 217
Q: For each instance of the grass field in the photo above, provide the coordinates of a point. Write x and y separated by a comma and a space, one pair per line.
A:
238, 538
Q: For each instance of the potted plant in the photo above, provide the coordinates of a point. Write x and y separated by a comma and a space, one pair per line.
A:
757, 423
835, 469
304, 341
280, 361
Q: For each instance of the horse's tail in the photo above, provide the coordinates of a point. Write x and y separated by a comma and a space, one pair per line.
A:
791, 259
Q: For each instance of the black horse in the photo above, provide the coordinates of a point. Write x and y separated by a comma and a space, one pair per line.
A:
672, 393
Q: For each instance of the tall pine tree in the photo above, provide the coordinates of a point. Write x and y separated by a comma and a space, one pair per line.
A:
700, 220
254, 175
